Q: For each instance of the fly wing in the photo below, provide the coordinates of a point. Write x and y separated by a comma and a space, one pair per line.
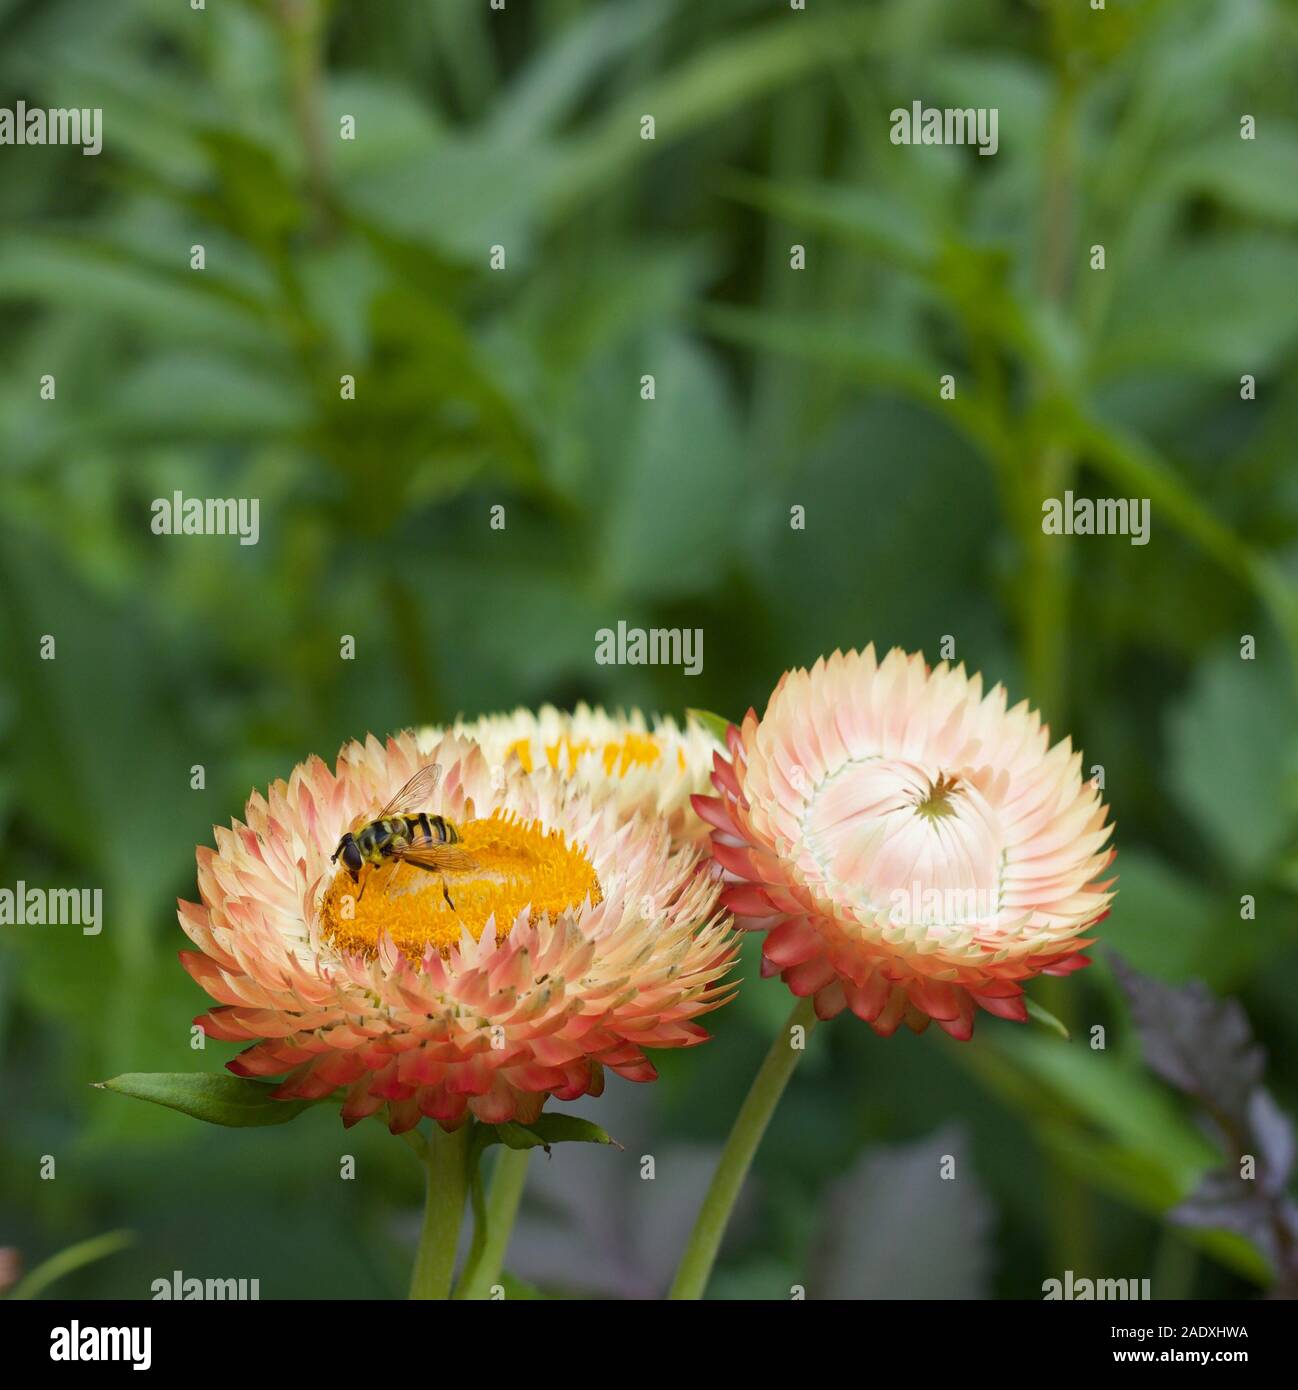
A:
416, 792
431, 854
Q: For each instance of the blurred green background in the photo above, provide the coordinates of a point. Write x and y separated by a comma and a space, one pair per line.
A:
521, 387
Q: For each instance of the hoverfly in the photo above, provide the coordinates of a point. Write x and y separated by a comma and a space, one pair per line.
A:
407, 836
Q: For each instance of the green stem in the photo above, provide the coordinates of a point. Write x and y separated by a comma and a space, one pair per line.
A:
303, 26
737, 1157
479, 1242
69, 1260
446, 1165
497, 1224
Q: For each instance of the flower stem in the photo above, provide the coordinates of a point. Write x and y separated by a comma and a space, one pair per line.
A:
737, 1157
303, 25
446, 1165
497, 1218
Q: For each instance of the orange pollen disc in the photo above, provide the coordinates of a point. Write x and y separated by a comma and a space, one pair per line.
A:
619, 756
516, 865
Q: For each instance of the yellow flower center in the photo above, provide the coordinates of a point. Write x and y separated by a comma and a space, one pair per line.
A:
516, 865
937, 802
633, 749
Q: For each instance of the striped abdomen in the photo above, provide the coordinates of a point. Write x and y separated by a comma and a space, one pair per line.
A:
424, 828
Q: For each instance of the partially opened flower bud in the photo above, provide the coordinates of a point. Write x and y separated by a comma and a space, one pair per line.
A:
652, 767
913, 848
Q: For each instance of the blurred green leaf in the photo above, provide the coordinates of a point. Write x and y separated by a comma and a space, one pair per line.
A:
1160, 920
95, 276
550, 86
1252, 176
709, 85
715, 724
683, 444
462, 195
1234, 750
1209, 307
1117, 1098
859, 217
202, 398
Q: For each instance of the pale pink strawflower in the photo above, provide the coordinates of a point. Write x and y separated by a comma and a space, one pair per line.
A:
913, 848
580, 938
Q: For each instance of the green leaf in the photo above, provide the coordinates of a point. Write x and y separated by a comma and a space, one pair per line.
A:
554, 81
1047, 1020
569, 1129
716, 724
884, 357
1254, 176
1234, 756
201, 397
1161, 921
927, 493
1132, 464
1118, 1097
712, 84
220, 1100
687, 445
516, 1136
477, 191
541, 1133
857, 217
95, 278
1204, 308
861, 352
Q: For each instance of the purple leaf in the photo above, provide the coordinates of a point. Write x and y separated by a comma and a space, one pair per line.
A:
1224, 1201
1273, 1136
1205, 1047
1201, 1044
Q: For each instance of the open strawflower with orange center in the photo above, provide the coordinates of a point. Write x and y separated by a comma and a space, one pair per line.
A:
423, 935
914, 851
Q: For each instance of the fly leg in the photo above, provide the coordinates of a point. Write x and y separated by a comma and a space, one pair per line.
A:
432, 870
